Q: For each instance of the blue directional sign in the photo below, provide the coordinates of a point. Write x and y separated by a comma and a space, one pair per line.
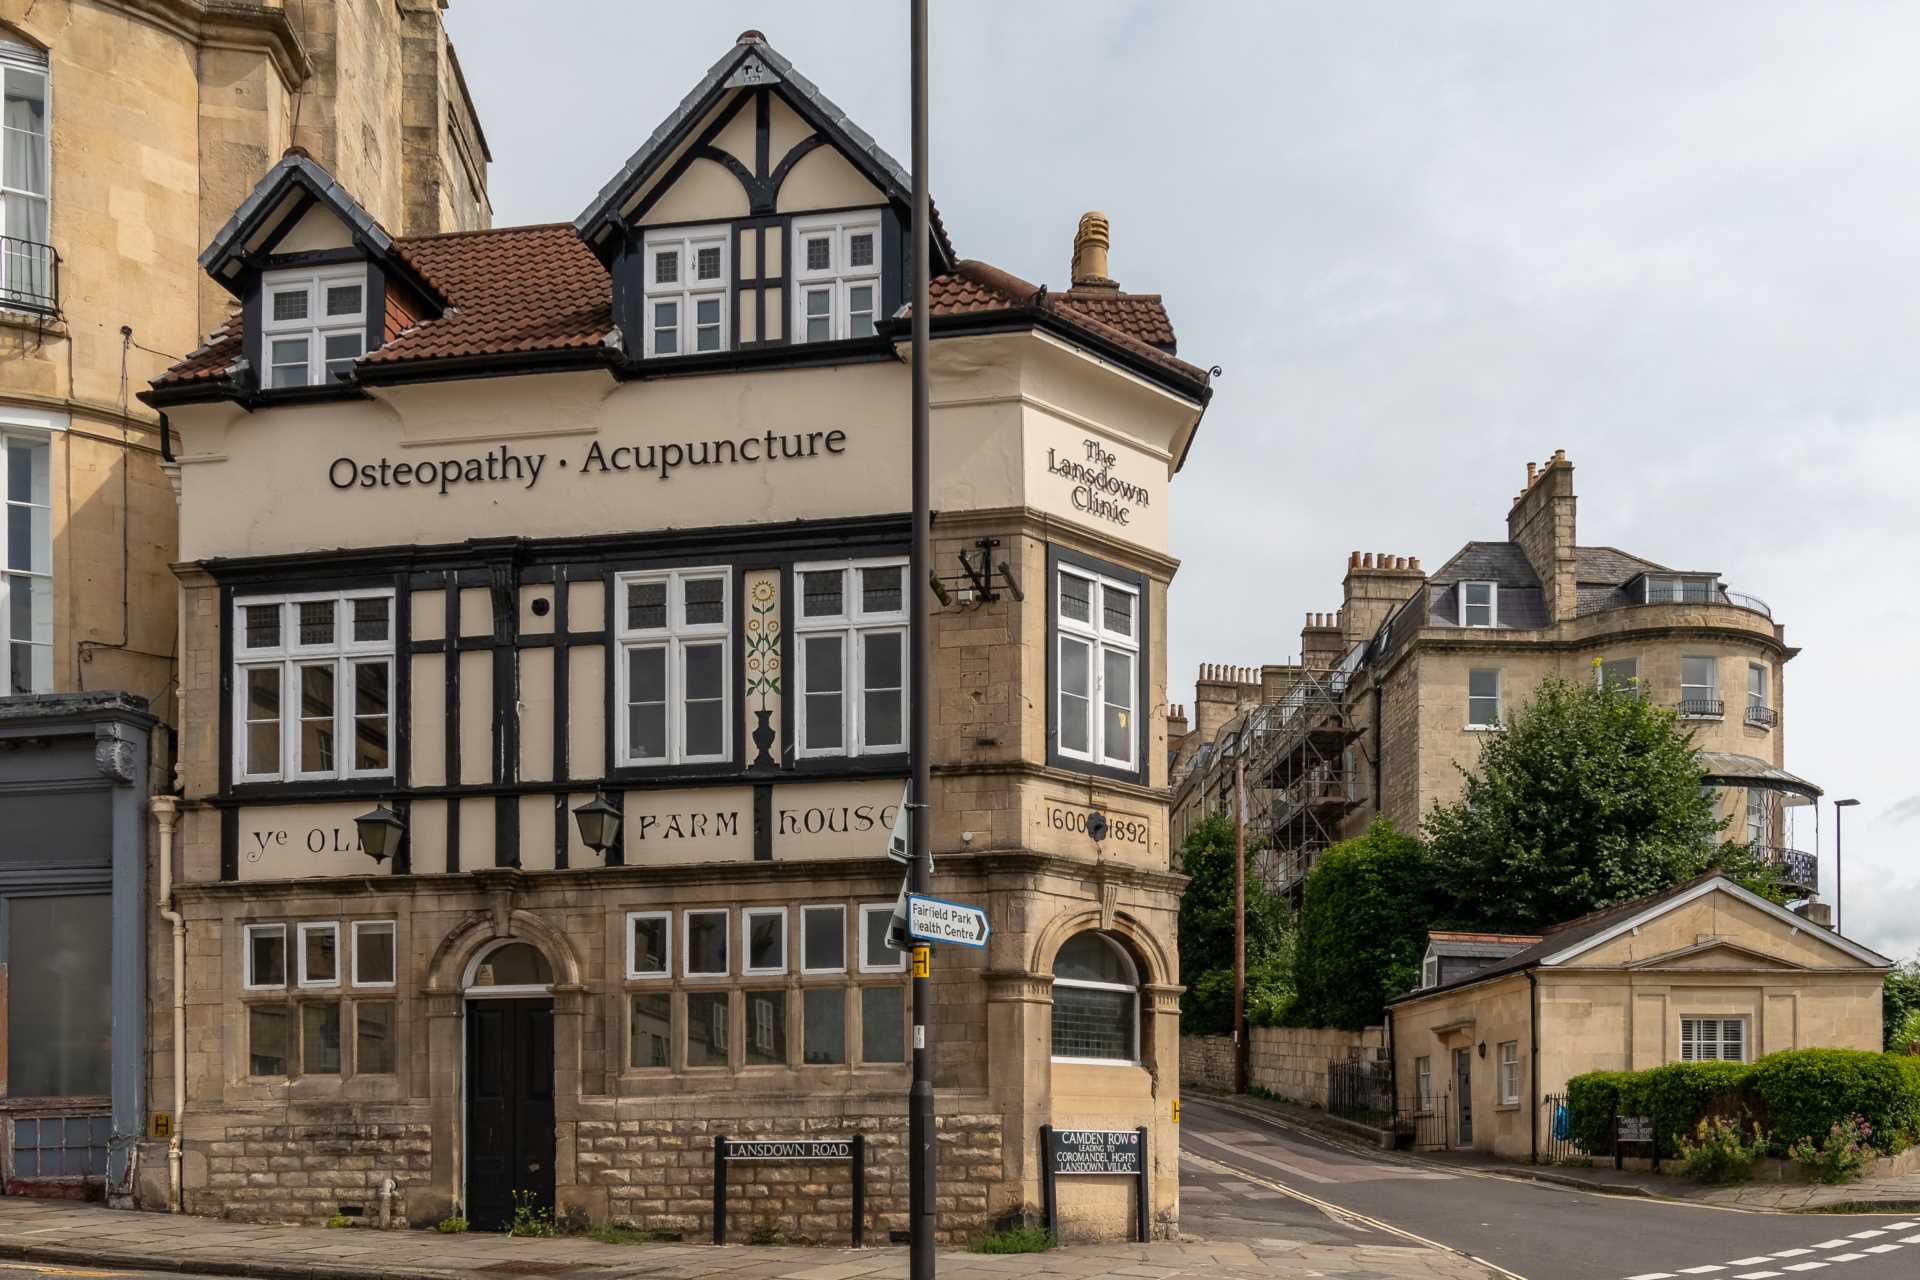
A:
934, 920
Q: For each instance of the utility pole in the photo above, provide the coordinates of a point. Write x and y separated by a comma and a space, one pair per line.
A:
920, 1132
1240, 1046
1840, 808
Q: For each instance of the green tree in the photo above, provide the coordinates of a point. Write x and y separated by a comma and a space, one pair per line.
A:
1900, 1005
1363, 928
1591, 796
1206, 936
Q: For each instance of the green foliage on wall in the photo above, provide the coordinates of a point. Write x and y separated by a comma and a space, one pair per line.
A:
1900, 1006
1589, 797
1206, 937
1363, 929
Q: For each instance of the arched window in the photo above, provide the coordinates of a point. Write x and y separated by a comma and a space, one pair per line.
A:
510, 966
1096, 1002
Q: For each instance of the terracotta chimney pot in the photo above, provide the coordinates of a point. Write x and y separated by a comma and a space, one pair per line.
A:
1090, 243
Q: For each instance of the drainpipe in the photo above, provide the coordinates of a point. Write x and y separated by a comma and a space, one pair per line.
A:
165, 811
1379, 751
1533, 1066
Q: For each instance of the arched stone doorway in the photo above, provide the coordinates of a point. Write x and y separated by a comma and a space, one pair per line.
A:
507, 991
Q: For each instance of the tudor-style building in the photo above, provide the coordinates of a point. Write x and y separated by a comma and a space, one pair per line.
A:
480, 527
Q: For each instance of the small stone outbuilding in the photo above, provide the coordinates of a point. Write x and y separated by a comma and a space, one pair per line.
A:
1704, 971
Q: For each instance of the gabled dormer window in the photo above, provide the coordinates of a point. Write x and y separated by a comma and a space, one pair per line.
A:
686, 291
1479, 604
313, 325
836, 276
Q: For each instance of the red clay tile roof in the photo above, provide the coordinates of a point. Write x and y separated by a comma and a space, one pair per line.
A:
509, 291
1139, 314
211, 360
518, 290
975, 288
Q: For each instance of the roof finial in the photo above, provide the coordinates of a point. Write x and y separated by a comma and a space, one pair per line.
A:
750, 36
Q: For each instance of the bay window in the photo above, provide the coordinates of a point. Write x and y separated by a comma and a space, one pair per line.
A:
836, 277
313, 325
686, 291
313, 686
673, 672
26, 257
26, 565
850, 639
1097, 668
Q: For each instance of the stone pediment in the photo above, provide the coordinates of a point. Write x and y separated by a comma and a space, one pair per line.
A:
1716, 953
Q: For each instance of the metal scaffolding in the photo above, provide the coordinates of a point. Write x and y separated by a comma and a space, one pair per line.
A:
1300, 782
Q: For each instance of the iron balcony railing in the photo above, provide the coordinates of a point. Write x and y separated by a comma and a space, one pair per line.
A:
1691, 591
1707, 708
1762, 717
1800, 869
29, 275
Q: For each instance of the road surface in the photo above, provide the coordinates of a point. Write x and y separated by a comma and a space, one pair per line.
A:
1244, 1174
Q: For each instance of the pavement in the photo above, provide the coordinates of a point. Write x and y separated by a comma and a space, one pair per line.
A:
70, 1241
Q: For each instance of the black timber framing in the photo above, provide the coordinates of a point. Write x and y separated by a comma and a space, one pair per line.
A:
503, 566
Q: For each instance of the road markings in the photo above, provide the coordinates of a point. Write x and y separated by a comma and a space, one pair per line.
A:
1882, 1248
1840, 1243
1910, 1239
1340, 1211
1758, 1275
1846, 1257
1751, 1262
1806, 1266
1866, 1251
1868, 1235
1281, 1165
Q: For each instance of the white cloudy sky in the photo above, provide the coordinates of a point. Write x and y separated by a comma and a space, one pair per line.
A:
1426, 243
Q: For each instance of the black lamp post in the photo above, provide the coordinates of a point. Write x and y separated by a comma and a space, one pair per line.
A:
599, 820
380, 832
1839, 883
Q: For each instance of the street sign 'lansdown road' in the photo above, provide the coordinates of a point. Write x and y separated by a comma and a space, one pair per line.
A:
932, 920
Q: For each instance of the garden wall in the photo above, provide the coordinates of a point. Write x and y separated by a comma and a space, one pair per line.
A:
1290, 1062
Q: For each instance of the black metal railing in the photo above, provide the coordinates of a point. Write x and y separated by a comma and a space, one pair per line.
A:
1425, 1124
1694, 591
1762, 717
1708, 708
1362, 1091
1556, 1142
29, 275
1797, 867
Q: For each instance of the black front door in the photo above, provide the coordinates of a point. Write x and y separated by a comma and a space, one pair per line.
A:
509, 1107
1463, 1086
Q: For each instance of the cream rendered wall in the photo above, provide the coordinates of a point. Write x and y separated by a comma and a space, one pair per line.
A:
1720, 917
1488, 1014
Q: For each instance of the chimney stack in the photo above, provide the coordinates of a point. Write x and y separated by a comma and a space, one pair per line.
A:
1376, 584
1221, 693
1541, 522
1090, 243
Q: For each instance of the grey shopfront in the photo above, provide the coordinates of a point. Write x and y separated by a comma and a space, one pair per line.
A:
73, 788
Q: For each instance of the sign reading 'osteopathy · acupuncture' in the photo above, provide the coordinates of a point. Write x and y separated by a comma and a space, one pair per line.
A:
503, 465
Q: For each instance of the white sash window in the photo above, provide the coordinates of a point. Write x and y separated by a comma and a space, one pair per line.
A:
674, 674
312, 689
1097, 668
850, 636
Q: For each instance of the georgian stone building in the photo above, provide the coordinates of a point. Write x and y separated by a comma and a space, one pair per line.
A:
131, 128
481, 530
1393, 689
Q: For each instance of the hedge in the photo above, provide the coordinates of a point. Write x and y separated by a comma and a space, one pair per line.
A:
1797, 1094
1807, 1091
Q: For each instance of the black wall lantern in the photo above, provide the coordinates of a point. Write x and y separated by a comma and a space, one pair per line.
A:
380, 832
599, 820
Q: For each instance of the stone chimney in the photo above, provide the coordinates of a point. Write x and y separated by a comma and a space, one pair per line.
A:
1541, 522
1376, 584
1176, 724
1220, 694
1322, 644
1276, 678
1090, 244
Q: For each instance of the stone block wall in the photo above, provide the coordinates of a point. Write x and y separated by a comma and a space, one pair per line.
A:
1292, 1061
302, 1172
1206, 1062
1288, 1061
658, 1173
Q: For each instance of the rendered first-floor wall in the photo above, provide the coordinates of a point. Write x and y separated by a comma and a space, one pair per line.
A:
636, 1144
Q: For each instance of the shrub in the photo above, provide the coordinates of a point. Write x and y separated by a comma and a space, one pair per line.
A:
1808, 1091
341, 1220
1681, 1094
1841, 1157
1015, 1240
1718, 1153
1592, 1102
450, 1226
1363, 928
